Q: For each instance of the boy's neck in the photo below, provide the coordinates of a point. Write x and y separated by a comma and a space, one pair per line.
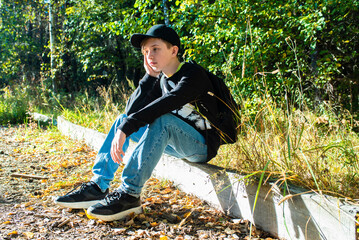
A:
171, 68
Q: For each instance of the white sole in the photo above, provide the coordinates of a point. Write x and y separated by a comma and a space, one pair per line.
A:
77, 205
117, 216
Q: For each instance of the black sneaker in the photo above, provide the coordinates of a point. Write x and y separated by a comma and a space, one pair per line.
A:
87, 195
115, 206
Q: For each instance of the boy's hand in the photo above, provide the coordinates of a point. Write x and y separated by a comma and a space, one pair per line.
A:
117, 152
149, 69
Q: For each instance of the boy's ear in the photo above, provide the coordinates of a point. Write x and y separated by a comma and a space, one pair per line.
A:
175, 50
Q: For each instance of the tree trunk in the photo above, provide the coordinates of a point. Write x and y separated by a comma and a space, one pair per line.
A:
52, 45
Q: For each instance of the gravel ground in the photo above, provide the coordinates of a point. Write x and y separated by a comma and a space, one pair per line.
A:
37, 165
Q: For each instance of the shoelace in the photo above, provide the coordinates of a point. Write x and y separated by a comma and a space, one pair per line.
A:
116, 195
82, 187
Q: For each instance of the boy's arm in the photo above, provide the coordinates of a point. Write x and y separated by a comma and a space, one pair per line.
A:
192, 85
149, 69
117, 152
143, 95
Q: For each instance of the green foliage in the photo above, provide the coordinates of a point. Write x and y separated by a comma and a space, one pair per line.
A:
93, 47
13, 106
22, 40
314, 42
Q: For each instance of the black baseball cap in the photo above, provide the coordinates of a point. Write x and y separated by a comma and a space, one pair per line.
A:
157, 31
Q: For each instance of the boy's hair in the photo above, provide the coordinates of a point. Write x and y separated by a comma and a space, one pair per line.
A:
168, 44
157, 31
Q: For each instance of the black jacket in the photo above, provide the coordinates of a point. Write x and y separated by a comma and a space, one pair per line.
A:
148, 102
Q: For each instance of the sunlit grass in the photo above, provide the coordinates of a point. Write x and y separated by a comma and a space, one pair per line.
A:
96, 115
319, 152
315, 151
13, 106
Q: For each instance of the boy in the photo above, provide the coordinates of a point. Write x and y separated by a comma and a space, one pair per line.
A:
164, 114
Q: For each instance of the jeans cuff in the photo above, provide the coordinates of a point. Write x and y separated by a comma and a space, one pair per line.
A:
124, 188
103, 186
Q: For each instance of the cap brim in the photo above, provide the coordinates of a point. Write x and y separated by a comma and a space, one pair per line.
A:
137, 38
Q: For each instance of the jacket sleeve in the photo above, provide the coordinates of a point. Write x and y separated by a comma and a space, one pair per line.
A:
143, 95
192, 84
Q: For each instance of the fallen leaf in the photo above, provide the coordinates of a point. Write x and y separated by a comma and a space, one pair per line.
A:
88, 216
229, 231
119, 230
154, 224
186, 215
166, 191
29, 234
130, 222
26, 204
12, 233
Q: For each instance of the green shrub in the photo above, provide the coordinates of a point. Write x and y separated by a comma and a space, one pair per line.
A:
13, 106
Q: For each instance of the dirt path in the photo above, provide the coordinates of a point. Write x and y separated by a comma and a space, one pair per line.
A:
51, 164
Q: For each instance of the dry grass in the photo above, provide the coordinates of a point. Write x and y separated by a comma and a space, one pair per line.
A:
316, 152
97, 115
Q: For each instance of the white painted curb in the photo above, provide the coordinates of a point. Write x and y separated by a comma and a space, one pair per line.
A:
303, 217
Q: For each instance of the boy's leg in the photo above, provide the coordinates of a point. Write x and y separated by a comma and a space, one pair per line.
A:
104, 169
183, 141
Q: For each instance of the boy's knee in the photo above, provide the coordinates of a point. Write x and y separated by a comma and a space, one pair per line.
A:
163, 119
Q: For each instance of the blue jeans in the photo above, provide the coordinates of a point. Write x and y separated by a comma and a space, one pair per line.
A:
167, 133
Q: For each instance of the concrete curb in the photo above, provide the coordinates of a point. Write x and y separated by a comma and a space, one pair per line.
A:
306, 216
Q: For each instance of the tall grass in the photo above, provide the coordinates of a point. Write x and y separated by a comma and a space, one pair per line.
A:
13, 106
96, 113
291, 143
319, 152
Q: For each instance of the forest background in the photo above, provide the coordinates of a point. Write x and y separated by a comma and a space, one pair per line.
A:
291, 65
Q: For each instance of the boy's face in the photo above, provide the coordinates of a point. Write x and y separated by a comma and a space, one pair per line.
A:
158, 54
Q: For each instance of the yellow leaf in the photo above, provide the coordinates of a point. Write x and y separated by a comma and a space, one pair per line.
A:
12, 233
163, 237
26, 204
30, 208
187, 214
153, 224
7, 222
29, 234
81, 214
166, 191
88, 216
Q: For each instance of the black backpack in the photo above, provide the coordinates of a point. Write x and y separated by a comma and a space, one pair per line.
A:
227, 119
